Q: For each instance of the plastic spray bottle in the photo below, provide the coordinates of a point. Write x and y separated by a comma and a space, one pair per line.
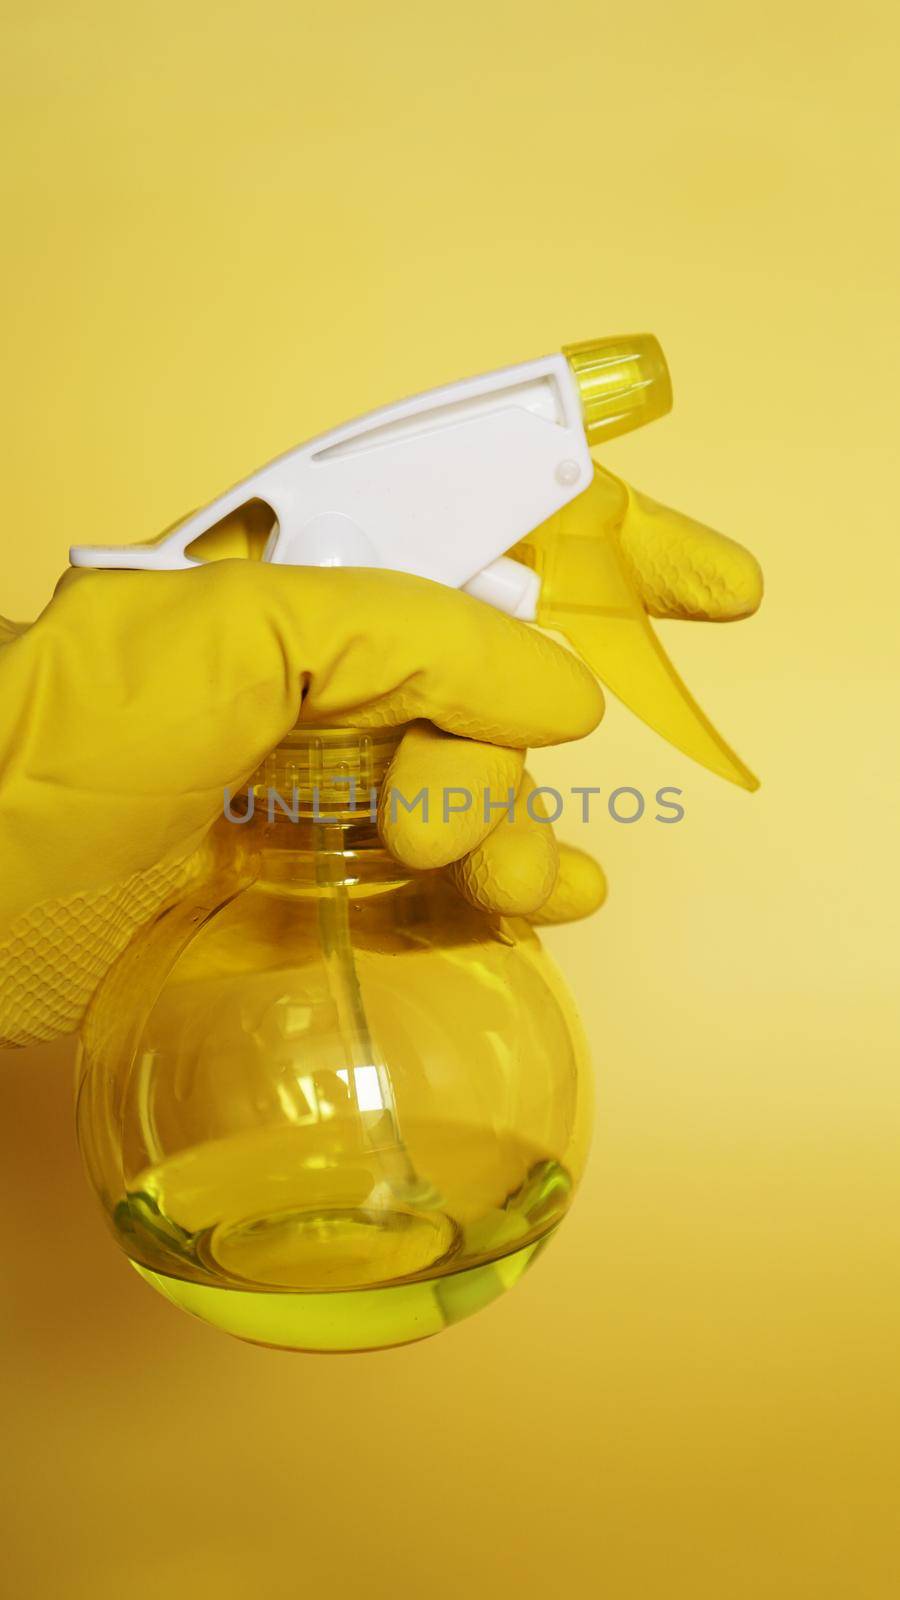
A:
326, 1103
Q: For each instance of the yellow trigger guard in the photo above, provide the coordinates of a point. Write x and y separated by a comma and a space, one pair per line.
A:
588, 595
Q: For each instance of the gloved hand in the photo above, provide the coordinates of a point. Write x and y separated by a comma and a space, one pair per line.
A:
137, 697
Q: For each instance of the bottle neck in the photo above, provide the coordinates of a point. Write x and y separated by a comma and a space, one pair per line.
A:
312, 808
331, 775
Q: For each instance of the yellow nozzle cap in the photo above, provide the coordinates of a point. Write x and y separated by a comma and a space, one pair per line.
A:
623, 383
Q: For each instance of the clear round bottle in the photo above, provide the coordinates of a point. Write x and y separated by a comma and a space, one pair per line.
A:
326, 1104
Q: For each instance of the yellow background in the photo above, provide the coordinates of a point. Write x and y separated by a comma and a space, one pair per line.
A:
230, 226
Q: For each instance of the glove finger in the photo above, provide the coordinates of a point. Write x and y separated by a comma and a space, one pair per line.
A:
408, 648
579, 891
684, 569
442, 793
514, 869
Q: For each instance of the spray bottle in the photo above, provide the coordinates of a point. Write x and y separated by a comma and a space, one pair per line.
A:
327, 1104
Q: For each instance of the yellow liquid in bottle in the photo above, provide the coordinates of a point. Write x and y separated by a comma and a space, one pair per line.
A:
262, 1237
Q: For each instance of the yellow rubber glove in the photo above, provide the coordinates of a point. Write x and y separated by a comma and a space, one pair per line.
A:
136, 698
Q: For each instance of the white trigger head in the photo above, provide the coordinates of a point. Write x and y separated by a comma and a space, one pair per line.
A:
441, 485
